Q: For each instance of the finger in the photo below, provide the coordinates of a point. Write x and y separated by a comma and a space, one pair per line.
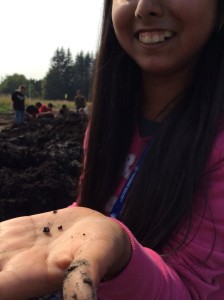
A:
78, 283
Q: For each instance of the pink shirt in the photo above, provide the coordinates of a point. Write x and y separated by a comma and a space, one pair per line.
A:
196, 271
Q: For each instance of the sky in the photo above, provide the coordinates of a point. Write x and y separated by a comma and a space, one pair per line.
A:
32, 30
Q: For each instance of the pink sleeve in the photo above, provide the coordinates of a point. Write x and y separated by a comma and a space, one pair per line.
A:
146, 277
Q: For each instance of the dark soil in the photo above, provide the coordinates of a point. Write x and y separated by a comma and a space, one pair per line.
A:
40, 163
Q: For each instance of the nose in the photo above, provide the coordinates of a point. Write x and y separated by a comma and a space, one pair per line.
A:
149, 8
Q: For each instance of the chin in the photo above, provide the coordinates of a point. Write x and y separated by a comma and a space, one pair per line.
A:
156, 70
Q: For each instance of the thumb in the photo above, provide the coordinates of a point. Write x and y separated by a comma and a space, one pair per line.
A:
78, 282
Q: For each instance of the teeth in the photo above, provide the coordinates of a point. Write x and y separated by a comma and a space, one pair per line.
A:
168, 34
155, 39
162, 38
152, 38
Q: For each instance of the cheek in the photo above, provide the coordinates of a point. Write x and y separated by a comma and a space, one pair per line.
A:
122, 15
117, 16
200, 14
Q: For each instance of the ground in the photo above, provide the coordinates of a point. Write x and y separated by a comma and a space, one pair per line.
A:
40, 163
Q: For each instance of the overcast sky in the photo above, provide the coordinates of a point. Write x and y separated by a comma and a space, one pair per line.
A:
31, 31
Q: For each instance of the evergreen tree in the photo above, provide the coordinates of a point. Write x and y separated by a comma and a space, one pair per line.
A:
69, 76
83, 72
59, 79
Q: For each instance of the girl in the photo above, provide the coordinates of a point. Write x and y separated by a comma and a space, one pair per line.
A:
150, 221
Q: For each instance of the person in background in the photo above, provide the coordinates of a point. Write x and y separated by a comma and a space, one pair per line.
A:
18, 100
149, 220
44, 110
64, 110
31, 111
80, 101
50, 106
41, 107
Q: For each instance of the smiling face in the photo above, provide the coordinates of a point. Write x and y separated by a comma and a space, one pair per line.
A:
163, 36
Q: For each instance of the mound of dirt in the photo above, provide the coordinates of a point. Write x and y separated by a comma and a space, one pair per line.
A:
40, 163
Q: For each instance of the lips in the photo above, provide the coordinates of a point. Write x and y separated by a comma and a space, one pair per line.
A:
154, 37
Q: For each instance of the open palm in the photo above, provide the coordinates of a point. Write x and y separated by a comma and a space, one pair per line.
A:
35, 251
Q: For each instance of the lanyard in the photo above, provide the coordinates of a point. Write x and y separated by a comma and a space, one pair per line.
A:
117, 208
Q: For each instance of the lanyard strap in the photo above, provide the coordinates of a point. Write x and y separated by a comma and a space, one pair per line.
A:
117, 208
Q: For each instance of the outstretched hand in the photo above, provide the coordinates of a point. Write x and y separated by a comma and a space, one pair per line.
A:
71, 249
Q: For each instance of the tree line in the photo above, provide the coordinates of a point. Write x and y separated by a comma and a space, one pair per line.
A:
64, 77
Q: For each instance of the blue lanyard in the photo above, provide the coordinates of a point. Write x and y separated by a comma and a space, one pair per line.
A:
117, 208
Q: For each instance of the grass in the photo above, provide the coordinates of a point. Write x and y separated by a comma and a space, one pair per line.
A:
6, 104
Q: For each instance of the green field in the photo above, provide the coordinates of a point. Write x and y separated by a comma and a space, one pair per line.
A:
6, 104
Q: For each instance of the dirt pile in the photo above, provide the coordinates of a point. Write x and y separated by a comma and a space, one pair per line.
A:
40, 163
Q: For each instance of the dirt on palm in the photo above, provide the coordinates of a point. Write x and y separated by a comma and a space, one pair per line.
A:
40, 165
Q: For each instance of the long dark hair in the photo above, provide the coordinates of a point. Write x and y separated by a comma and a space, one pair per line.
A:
163, 193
